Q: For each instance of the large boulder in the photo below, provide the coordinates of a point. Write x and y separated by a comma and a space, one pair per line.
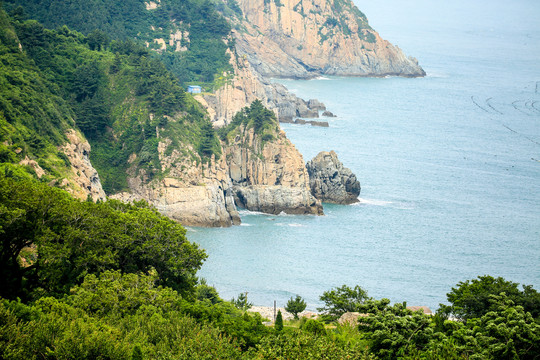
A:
330, 181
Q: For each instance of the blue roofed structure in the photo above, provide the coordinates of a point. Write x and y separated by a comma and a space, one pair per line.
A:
194, 89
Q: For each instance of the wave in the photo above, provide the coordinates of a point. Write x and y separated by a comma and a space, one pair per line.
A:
322, 78
244, 224
373, 202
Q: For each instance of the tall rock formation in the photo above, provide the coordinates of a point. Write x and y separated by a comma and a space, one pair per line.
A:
269, 176
307, 38
330, 181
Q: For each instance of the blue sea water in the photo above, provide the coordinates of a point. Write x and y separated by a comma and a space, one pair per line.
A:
449, 167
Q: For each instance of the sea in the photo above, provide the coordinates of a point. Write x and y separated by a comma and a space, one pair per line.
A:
449, 166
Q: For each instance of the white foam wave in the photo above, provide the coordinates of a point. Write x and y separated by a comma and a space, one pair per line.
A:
245, 212
373, 202
244, 224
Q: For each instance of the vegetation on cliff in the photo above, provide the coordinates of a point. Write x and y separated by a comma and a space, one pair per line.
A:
188, 35
118, 94
256, 117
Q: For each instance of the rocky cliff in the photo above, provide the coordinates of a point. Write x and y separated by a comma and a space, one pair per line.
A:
307, 38
246, 85
82, 180
192, 192
330, 181
269, 176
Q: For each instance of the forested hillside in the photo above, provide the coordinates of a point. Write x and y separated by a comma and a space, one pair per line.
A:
190, 36
116, 92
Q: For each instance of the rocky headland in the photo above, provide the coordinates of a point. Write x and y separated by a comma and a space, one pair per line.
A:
316, 37
272, 39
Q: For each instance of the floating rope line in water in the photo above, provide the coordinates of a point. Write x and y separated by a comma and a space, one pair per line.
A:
475, 103
488, 104
520, 134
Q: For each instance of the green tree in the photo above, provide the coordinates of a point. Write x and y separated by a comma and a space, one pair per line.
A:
390, 329
295, 305
208, 139
64, 239
279, 321
342, 299
472, 298
242, 302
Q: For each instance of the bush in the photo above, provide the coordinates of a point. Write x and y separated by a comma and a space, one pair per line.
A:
314, 327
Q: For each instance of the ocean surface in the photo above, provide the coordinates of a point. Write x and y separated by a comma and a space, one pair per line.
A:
449, 167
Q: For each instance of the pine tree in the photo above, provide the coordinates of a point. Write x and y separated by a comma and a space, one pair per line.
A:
279, 321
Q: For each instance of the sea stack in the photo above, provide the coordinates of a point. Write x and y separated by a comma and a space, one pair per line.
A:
330, 181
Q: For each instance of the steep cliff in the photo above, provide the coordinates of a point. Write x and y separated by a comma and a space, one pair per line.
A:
307, 38
83, 180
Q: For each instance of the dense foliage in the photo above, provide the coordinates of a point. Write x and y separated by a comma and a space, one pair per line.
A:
117, 281
472, 299
50, 241
205, 54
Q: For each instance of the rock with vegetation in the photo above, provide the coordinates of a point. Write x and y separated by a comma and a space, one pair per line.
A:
330, 181
266, 170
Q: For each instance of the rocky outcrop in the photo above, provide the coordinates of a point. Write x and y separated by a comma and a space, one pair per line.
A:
313, 123
246, 85
330, 181
328, 114
309, 38
84, 179
269, 176
193, 193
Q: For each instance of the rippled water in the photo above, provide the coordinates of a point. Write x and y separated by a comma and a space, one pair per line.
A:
449, 167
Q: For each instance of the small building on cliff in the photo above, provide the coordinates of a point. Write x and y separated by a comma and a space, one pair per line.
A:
194, 89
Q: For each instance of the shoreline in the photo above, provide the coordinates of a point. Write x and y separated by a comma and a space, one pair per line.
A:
267, 312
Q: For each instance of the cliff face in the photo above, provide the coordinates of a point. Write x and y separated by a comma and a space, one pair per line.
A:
246, 85
269, 177
83, 181
192, 192
307, 38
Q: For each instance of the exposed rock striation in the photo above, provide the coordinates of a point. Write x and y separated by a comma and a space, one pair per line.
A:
193, 193
84, 179
310, 38
246, 85
269, 176
330, 181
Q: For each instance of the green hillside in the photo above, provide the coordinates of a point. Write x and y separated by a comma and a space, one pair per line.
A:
199, 56
116, 92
